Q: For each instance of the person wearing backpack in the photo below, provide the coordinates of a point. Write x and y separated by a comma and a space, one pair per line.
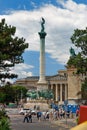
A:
39, 115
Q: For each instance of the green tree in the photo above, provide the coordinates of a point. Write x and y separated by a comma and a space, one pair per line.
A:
6, 94
79, 61
79, 39
11, 49
9, 93
2, 97
4, 121
20, 93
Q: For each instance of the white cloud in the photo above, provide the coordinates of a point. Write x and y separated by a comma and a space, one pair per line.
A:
23, 70
60, 23
73, 6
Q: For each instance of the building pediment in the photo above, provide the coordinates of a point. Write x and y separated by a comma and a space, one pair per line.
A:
58, 77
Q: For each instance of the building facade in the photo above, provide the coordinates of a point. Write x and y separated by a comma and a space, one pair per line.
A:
65, 85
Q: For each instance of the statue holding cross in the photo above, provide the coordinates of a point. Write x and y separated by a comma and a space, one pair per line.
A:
42, 24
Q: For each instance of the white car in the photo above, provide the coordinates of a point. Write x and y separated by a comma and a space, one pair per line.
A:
24, 110
33, 112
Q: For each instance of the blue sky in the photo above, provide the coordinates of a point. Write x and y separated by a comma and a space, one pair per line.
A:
61, 18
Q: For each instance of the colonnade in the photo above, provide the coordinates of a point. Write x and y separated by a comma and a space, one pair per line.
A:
60, 92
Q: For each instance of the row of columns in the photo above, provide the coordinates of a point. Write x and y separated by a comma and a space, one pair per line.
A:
60, 92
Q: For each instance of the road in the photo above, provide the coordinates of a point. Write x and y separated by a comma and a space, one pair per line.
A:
17, 123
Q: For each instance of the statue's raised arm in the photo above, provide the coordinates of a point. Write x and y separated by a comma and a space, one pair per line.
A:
42, 24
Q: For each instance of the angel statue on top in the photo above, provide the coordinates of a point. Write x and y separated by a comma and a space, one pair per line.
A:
42, 24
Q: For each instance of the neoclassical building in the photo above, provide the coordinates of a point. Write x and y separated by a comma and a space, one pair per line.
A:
65, 85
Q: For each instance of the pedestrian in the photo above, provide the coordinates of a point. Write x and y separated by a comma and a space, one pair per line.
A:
77, 112
61, 113
47, 115
44, 115
39, 115
51, 116
68, 113
26, 117
30, 117
34, 107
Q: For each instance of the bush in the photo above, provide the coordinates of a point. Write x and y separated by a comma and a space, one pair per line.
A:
4, 124
3, 114
4, 121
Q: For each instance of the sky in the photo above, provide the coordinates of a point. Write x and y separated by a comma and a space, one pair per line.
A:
61, 18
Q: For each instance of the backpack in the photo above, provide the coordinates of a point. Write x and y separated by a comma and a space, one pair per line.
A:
39, 113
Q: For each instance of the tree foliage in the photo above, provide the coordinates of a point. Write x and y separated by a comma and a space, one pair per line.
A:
6, 94
79, 39
11, 49
79, 61
19, 93
4, 121
9, 93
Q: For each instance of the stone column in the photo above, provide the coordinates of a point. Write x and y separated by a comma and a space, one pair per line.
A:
51, 86
56, 92
61, 93
42, 57
66, 94
42, 83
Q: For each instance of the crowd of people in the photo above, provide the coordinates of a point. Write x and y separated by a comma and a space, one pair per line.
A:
57, 114
50, 115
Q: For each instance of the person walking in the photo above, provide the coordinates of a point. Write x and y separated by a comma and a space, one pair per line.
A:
26, 117
39, 115
30, 117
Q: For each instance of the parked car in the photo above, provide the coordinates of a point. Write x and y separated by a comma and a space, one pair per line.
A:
24, 110
33, 112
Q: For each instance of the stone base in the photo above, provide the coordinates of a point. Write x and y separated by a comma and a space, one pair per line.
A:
42, 106
42, 86
42, 82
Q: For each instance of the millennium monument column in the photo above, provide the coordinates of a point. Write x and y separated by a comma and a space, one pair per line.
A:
42, 84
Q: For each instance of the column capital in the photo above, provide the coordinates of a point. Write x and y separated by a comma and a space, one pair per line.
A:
42, 34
